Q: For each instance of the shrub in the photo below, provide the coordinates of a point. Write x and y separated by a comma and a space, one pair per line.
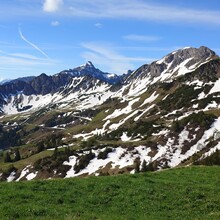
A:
89, 143
167, 86
176, 126
213, 159
181, 98
200, 118
9, 170
40, 147
83, 161
104, 154
150, 167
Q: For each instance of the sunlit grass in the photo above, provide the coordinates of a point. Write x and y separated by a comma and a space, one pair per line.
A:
183, 193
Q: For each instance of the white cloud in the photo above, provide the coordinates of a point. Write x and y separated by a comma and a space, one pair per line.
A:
52, 5
109, 59
55, 23
16, 64
141, 10
98, 25
26, 56
114, 9
135, 37
20, 64
21, 61
31, 44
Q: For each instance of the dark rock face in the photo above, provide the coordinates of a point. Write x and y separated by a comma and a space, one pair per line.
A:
190, 55
44, 84
196, 55
89, 70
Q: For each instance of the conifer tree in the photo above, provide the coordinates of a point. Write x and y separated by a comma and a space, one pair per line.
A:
137, 167
17, 155
55, 153
7, 157
144, 166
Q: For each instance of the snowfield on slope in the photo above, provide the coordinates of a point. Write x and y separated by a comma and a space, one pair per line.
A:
120, 158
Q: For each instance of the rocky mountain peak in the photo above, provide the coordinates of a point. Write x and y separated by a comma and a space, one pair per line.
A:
89, 64
196, 54
176, 63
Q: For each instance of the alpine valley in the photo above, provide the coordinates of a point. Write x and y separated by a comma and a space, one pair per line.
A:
83, 121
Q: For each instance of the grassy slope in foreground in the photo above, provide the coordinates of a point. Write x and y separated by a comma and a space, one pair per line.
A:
183, 193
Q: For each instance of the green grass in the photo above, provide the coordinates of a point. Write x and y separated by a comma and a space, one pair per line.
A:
183, 193
25, 162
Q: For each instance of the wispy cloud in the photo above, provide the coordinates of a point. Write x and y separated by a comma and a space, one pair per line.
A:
13, 65
27, 56
135, 37
23, 63
32, 44
98, 25
55, 23
22, 59
141, 10
113, 9
109, 59
52, 5
9, 60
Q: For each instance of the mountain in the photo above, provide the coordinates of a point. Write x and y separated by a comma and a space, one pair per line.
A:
83, 122
68, 86
88, 69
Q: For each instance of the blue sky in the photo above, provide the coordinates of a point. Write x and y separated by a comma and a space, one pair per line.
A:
52, 35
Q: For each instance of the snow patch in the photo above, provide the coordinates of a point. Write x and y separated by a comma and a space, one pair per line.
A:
124, 137
24, 172
120, 157
31, 176
216, 87
150, 99
11, 176
125, 110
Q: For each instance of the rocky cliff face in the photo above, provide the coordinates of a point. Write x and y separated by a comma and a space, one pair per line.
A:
184, 59
52, 88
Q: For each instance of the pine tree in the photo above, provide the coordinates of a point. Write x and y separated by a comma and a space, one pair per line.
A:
7, 157
144, 166
137, 167
17, 155
55, 153
150, 166
40, 147
176, 126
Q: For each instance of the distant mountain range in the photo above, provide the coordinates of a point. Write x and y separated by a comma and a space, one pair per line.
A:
163, 114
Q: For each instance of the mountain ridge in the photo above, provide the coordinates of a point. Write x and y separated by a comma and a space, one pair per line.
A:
164, 114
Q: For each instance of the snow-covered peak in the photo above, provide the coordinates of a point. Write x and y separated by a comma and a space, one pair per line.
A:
88, 69
88, 64
4, 81
175, 64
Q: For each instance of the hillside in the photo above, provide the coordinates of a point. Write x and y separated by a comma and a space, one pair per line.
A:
84, 122
183, 193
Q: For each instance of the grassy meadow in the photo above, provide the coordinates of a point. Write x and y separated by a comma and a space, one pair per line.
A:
182, 193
